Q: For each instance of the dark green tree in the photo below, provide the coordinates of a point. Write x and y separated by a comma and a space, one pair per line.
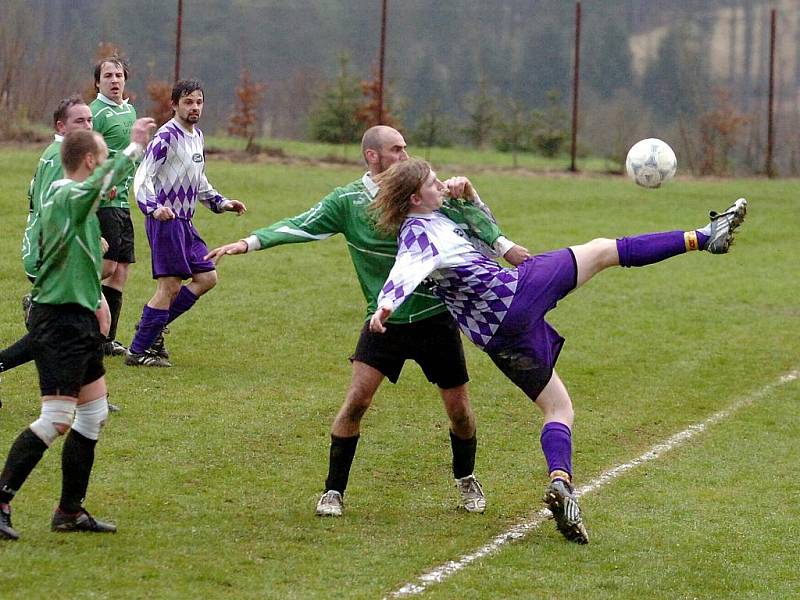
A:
514, 131
482, 116
675, 82
335, 119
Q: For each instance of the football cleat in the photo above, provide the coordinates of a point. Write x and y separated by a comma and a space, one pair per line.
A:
472, 497
114, 348
7, 530
562, 502
145, 359
723, 225
80, 521
330, 504
158, 346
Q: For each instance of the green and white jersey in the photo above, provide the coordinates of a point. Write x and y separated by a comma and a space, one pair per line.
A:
114, 121
71, 256
344, 211
48, 171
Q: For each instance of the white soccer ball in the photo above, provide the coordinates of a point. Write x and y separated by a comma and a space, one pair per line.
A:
651, 162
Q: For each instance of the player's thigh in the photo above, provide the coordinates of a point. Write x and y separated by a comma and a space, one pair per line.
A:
435, 344
67, 348
384, 353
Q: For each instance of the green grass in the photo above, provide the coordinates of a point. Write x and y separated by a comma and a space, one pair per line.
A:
213, 467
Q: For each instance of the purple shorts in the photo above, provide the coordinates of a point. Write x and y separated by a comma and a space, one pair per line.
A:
177, 249
526, 347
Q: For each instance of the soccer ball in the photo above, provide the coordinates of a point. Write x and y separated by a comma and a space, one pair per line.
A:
650, 163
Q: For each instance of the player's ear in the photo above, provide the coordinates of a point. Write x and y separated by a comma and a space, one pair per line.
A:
371, 156
414, 200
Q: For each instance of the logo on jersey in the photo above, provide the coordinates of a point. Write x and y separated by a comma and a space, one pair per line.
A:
198, 158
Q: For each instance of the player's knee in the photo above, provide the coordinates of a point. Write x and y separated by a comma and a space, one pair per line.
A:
356, 404
91, 417
462, 422
208, 281
54, 420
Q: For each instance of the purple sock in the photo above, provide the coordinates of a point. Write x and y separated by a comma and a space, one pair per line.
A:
650, 248
556, 442
702, 239
183, 302
152, 323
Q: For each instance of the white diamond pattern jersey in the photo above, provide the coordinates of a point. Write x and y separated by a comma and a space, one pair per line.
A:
172, 173
476, 290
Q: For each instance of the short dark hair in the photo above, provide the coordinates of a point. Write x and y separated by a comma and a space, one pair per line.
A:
114, 59
184, 87
75, 146
63, 107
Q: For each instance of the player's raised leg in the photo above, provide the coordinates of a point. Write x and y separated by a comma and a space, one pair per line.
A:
650, 248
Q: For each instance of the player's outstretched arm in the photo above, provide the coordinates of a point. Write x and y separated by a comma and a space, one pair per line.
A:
142, 130
216, 254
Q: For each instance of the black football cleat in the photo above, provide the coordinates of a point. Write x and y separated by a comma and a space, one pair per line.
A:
7, 531
79, 521
562, 502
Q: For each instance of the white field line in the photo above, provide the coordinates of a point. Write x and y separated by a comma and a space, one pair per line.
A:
520, 530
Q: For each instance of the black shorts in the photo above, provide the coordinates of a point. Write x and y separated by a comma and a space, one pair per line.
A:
434, 343
117, 229
67, 348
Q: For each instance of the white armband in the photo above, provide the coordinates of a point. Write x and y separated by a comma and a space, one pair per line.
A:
252, 242
503, 245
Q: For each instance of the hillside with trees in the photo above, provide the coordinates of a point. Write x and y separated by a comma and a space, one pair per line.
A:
466, 71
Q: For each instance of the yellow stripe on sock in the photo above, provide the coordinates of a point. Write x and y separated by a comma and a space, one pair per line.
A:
690, 239
559, 474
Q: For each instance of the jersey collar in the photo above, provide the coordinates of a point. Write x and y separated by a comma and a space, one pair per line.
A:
58, 137
372, 187
109, 101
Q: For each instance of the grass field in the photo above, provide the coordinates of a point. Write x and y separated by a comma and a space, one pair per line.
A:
213, 467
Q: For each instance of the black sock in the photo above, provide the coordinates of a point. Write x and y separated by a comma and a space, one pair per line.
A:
114, 299
341, 458
463, 455
77, 459
17, 353
26, 452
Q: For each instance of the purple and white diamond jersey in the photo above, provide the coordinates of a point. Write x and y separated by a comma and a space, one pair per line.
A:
172, 173
476, 290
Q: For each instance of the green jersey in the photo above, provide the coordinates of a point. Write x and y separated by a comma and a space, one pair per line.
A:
47, 172
344, 211
71, 257
114, 121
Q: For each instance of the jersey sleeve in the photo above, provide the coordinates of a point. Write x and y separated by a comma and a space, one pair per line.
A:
481, 226
320, 222
144, 182
84, 197
210, 198
417, 257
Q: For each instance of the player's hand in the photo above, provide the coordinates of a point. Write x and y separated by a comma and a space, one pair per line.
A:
142, 130
235, 206
112, 193
516, 255
379, 318
163, 213
460, 187
103, 245
216, 254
